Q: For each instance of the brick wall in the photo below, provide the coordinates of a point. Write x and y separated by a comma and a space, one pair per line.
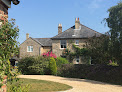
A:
4, 87
3, 11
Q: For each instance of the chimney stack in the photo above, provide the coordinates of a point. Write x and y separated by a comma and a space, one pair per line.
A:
27, 36
59, 28
77, 23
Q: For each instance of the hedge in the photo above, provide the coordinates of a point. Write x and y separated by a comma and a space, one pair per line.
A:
103, 73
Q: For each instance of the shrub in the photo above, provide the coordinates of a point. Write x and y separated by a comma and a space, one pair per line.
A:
33, 65
49, 54
60, 61
52, 66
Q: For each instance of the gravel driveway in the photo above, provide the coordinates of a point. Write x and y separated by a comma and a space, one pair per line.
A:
79, 85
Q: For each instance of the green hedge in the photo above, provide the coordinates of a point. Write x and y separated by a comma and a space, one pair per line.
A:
104, 73
34, 65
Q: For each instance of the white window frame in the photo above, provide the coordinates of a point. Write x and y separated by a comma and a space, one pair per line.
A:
63, 44
76, 42
77, 59
29, 50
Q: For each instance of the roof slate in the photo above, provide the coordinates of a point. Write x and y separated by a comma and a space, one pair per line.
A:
70, 33
43, 41
84, 32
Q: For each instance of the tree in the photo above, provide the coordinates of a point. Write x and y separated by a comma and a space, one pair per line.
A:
114, 22
99, 49
8, 45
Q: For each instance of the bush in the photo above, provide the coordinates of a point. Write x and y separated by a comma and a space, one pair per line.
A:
52, 66
60, 61
33, 65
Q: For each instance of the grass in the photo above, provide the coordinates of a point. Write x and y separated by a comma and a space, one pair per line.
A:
46, 86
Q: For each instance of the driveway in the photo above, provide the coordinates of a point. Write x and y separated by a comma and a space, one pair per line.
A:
79, 85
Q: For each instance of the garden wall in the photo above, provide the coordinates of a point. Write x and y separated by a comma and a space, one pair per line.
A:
104, 73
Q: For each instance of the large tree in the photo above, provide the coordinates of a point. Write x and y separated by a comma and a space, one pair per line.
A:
114, 22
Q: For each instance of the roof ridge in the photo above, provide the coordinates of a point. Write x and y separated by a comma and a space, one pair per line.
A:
63, 31
91, 29
42, 38
36, 41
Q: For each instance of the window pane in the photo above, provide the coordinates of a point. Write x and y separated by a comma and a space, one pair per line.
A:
76, 41
64, 46
63, 43
31, 48
77, 58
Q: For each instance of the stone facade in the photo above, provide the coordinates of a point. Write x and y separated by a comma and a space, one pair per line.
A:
37, 48
58, 50
69, 42
29, 42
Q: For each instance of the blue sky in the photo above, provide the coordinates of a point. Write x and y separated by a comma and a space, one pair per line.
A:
40, 18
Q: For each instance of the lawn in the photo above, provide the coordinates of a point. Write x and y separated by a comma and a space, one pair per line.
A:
46, 86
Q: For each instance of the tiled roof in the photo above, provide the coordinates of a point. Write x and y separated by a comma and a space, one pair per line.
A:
84, 32
43, 41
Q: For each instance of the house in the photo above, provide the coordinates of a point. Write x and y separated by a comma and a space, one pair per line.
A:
77, 34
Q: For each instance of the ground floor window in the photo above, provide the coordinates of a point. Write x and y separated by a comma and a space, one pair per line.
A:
77, 60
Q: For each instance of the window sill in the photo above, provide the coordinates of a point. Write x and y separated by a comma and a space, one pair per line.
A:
29, 51
77, 44
62, 48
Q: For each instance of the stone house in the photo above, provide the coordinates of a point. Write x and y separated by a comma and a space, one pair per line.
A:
77, 34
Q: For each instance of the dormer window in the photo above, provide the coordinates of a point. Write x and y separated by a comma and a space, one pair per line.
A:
76, 42
29, 48
63, 44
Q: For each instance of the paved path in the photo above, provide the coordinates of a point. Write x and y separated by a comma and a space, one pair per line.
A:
79, 85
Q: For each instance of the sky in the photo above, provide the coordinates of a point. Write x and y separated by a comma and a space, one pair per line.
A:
40, 18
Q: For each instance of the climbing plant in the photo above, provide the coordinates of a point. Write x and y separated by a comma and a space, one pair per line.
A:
84, 52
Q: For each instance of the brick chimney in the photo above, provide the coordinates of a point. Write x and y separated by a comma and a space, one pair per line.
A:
77, 23
3, 12
59, 28
27, 36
